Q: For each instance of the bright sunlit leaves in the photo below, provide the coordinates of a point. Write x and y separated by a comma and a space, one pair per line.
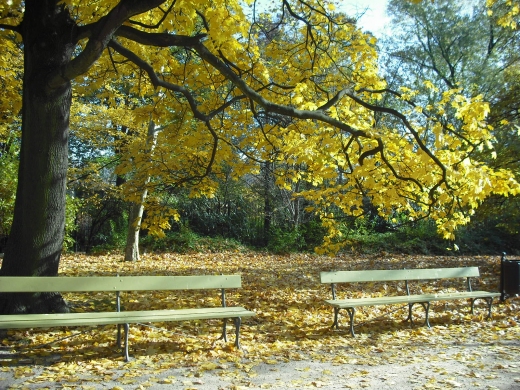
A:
509, 11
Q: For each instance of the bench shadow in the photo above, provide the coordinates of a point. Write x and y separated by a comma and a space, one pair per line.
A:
85, 352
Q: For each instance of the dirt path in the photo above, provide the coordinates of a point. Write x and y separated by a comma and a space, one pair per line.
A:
465, 366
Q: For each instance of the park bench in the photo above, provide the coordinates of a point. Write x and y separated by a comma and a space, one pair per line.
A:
405, 275
116, 285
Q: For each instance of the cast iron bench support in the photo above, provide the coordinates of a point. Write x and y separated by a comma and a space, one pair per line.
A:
409, 299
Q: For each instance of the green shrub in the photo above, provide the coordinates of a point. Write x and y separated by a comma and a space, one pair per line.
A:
72, 207
184, 240
312, 233
421, 237
181, 241
284, 241
418, 238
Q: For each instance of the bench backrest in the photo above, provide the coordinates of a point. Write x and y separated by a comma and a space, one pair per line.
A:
401, 274
116, 283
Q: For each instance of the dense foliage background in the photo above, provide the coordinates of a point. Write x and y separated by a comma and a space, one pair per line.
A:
449, 44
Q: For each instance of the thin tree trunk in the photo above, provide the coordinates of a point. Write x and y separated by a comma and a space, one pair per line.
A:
36, 239
134, 226
135, 216
268, 207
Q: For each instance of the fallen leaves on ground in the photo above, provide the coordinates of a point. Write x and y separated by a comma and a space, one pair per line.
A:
292, 323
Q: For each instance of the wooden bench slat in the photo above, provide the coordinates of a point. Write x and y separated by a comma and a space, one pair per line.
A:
119, 283
405, 299
401, 274
24, 321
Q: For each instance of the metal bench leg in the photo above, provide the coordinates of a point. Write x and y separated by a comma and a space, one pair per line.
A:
119, 335
125, 352
426, 306
336, 315
351, 311
490, 305
223, 336
238, 322
410, 317
489, 301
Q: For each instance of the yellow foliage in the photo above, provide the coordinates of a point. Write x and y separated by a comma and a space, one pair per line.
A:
243, 92
509, 17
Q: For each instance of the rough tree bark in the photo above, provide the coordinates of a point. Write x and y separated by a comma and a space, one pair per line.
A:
50, 36
36, 238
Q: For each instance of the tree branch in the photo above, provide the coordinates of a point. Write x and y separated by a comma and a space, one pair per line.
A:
100, 35
16, 29
406, 123
159, 22
269, 106
167, 40
156, 81
157, 39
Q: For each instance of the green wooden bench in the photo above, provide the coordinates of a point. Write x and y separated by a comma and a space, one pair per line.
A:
405, 275
118, 284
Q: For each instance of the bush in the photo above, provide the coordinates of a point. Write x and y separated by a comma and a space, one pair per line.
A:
312, 233
184, 240
72, 208
283, 241
421, 237
418, 238
181, 241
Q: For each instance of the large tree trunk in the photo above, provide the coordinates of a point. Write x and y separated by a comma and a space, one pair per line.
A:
36, 238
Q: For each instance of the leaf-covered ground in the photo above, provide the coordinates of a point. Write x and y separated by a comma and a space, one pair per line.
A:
292, 328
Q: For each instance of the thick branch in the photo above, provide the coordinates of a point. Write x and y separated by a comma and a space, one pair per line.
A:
100, 35
17, 28
156, 81
318, 115
334, 100
157, 39
165, 40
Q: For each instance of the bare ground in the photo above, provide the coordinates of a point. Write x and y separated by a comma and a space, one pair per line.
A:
468, 365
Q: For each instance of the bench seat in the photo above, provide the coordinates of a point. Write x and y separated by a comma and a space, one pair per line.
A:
406, 299
406, 275
25, 321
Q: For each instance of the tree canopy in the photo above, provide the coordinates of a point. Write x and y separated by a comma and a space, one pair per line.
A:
466, 46
236, 83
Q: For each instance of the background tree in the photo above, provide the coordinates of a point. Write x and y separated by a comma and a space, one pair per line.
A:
457, 45
11, 73
135, 215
